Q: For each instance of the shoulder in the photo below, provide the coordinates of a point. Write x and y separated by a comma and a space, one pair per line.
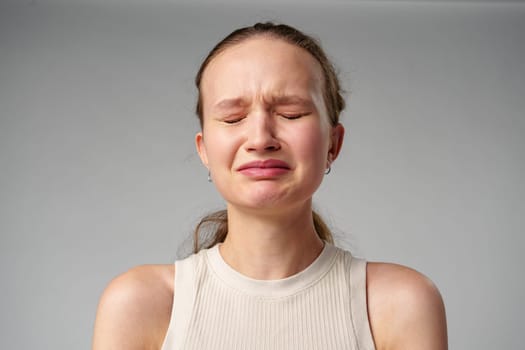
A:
135, 309
405, 308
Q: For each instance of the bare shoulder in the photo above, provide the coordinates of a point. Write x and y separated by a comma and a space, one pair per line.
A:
135, 309
405, 308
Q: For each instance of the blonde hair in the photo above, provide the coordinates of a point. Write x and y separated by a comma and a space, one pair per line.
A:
213, 229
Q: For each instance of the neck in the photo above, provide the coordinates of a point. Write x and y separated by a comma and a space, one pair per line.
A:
273, 246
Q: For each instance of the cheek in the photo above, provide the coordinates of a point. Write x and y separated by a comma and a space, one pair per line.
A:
219, 148
312, 143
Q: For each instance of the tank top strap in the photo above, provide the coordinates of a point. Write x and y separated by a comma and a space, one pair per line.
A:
183, 300
358, 304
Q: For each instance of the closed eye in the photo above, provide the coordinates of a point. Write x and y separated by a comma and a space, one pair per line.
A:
233, 120
293, 116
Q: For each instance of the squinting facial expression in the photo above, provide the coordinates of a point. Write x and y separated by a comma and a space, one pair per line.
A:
266, 138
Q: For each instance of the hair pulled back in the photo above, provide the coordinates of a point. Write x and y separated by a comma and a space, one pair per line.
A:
213, 228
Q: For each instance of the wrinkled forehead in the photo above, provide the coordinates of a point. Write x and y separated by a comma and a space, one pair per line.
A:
261, 67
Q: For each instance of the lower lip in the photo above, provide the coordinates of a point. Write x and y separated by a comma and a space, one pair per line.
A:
264, 172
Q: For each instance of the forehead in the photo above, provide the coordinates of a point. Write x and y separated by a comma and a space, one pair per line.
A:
261, 66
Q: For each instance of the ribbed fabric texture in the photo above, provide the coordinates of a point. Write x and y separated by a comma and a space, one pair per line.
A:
322, 307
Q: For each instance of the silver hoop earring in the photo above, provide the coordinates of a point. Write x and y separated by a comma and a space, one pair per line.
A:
209, 176
327, 171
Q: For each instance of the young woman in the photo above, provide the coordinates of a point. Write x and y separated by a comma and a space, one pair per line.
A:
270, 278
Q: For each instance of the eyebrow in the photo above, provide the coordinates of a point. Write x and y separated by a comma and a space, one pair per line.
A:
284, 100
287, 100
231, 103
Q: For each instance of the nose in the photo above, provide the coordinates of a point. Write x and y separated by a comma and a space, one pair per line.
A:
262, 133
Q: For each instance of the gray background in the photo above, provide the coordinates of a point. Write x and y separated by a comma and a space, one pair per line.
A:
99, 172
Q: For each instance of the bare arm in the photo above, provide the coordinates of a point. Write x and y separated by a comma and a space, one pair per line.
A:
406, 310
135, 309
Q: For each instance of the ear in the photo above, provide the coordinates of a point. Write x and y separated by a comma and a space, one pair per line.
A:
336, 141
201, 148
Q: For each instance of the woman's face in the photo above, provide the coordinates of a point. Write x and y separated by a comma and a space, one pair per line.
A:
266, 138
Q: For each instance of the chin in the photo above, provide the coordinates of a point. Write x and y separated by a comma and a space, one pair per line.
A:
271, 202
269, 195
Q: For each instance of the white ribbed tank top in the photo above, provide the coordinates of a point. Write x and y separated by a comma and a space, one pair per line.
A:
321, 307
